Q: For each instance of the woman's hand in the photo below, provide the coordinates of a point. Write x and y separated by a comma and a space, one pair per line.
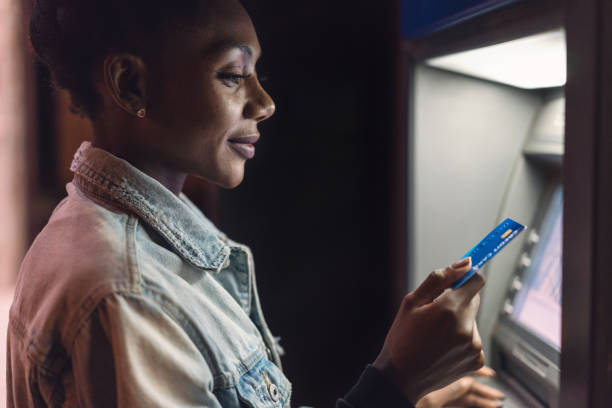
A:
465, 392
434, 339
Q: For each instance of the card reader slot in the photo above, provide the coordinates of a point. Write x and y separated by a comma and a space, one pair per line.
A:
531, 359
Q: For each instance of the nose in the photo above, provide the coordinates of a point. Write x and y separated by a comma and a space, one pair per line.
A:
260, 105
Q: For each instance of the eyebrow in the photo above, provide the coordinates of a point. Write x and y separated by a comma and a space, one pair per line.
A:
244, 48
223, 46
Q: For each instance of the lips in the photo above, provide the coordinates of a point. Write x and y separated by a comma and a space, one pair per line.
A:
243, 145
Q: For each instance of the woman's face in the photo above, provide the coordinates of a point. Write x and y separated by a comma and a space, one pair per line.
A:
204, 100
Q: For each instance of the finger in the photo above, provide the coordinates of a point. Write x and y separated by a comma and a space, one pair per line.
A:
454, 391
485, 372
466, 316
469, 288
440, 280
476, 339
477, 345
473, 400
486, 391
471, 308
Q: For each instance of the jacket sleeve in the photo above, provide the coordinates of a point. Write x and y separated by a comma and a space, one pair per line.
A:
374, 390
130, 353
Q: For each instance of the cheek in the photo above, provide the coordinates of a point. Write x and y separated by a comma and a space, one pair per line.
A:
194, 120
223, 112
200, 112
208, 110
217, 119
178, 98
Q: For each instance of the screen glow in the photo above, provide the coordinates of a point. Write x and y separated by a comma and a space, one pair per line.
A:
538, 303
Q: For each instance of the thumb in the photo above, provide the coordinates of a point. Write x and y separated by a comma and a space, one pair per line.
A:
440, 280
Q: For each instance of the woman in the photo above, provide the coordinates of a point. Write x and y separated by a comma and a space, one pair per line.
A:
130, 296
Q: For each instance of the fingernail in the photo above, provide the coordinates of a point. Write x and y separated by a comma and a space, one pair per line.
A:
460, 263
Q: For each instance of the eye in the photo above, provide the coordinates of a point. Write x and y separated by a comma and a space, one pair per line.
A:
231, 79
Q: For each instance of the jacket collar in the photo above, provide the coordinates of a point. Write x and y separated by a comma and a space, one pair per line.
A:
107, 177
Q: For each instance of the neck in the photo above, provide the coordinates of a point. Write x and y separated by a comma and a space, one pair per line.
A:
170, 179
173, 180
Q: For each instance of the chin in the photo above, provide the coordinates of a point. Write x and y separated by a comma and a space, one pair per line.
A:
233, 184
228, 177
230, 180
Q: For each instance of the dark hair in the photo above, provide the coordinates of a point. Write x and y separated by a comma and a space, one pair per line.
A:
72, 36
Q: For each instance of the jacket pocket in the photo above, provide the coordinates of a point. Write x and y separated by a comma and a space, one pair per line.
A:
264, 386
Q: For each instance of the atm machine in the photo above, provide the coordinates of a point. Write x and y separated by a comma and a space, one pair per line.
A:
486, 141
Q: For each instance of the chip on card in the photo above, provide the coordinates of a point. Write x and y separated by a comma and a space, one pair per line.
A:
490, 246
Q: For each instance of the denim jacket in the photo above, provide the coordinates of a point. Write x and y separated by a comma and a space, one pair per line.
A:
131, 297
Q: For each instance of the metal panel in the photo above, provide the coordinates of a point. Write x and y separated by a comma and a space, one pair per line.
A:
468, 134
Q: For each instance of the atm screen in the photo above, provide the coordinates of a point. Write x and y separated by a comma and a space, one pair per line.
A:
537, 305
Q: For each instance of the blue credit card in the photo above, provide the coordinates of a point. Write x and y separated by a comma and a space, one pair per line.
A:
489, 246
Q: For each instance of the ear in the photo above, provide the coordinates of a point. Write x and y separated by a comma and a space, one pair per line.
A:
124, 77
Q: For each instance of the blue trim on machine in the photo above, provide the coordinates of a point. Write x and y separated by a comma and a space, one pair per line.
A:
423, 17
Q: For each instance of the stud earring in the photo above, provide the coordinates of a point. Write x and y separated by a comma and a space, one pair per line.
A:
141, 113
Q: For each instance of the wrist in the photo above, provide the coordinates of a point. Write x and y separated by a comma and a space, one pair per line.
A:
407, 387
375, 389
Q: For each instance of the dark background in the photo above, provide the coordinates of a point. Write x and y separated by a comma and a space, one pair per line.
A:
314, 206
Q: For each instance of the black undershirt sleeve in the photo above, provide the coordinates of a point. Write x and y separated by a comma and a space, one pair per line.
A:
374, 390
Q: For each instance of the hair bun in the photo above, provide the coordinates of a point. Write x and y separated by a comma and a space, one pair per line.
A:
44, 29
62, 33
